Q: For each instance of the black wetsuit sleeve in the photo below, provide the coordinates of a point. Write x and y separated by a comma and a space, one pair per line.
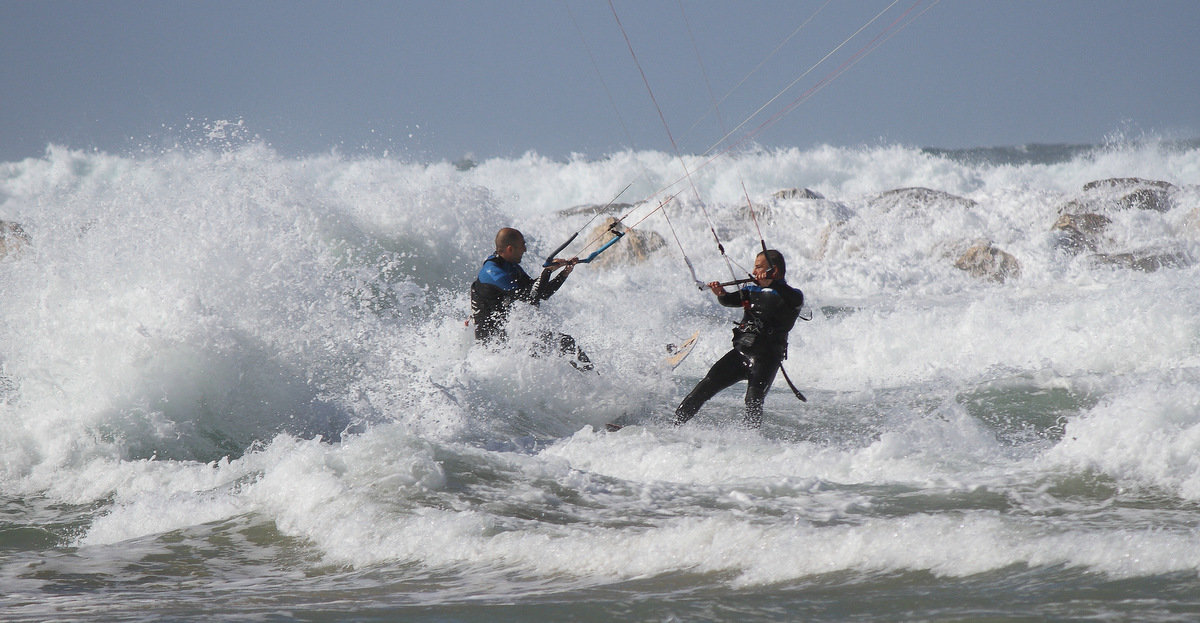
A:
792, 296
730, 299
544, 287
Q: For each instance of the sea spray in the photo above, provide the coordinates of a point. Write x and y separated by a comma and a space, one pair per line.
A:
252, 375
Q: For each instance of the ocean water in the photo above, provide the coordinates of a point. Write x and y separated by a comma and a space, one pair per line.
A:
237, 385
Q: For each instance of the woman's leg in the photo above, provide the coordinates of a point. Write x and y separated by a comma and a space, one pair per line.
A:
725, 372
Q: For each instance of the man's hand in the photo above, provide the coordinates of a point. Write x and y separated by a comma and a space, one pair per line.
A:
716, 288
566, 265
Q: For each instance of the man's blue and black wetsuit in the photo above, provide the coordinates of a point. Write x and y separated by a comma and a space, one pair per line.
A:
501, 283
759, 348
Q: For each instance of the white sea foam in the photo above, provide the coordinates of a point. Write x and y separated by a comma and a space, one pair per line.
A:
195, 336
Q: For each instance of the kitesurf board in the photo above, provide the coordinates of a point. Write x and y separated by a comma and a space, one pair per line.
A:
677, 354
680, 352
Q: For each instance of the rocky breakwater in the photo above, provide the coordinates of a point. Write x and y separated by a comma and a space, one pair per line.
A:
1084, 225
13, 239
978, 257
634, 249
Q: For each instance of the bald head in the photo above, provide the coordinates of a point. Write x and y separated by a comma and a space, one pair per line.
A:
510, 245
508, 236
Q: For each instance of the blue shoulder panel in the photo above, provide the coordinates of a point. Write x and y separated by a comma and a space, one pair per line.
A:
774, 288
499, 273
754, 287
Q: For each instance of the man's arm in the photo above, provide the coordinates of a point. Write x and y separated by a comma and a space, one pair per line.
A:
545, 286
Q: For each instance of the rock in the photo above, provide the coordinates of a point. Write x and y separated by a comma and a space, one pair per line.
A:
763, 212
1146, 261
1126, 182
12, 238
1088, 223
918, 196
1080, 232
1191, 225
1131, 193
826, 235
1074, 206
596, 208
988, 262
797, 193
1082, 224
1145, 199
634, 249
779, 203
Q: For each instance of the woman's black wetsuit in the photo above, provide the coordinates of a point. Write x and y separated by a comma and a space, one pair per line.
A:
759, 348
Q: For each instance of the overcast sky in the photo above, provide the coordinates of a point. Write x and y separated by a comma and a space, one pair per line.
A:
432, 80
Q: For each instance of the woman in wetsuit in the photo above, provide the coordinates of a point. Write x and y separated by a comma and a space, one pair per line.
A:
770, 307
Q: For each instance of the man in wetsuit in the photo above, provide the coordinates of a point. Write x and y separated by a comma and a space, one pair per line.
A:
502, 282
759, 340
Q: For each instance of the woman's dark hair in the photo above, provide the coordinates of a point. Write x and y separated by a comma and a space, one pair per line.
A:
775, 259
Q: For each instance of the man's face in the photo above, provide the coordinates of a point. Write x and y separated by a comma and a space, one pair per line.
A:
514, 252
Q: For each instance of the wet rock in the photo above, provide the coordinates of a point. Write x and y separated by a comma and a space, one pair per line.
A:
827, 234
1146, 261
989, 262
596, 208
1088, 223
764, 212
771, 210
1080, 232
634, 249
1127, 182
1145, 199
919, 197
12, 238
1129, 193
1191, 225
797, 193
